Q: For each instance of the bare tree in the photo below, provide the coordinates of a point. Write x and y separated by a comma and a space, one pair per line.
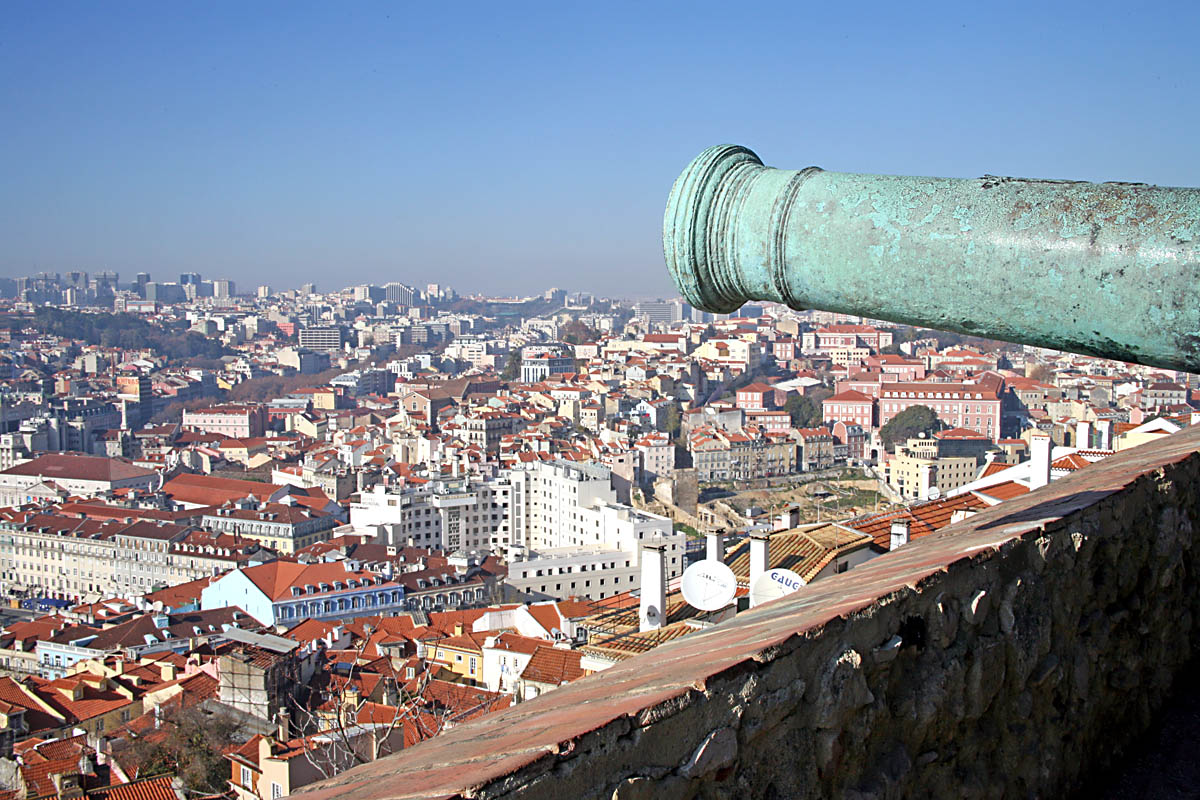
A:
352, 729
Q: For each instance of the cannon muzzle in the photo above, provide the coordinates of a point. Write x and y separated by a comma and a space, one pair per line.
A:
1105, 269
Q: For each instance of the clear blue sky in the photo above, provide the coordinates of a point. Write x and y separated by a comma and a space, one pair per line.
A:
508, 147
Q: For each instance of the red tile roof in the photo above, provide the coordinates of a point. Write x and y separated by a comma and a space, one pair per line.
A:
158, 788
923, 518
553, 665
73, 466
1004, 491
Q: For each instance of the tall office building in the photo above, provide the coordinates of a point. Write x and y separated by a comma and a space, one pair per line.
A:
323, 339
189, 277
658, 311
223, 289
106, 279
140, 282
367, 293
398, 293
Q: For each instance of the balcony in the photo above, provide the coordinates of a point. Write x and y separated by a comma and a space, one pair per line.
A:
452, 499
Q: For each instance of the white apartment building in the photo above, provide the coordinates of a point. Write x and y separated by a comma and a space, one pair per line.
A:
88, 559
578, 539
448, 515
559, 523
560, 572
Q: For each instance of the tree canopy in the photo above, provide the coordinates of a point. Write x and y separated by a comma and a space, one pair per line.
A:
512, 367
126, 332
910, 422
189, 743
805, 410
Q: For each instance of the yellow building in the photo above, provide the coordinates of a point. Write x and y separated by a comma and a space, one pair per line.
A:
914, 477
462, 654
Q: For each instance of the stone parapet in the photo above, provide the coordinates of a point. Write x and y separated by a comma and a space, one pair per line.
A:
1012, 654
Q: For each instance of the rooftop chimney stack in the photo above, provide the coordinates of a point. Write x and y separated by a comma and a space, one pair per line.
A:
899, 534
652, 604
1083, 435
1039, 450
716, 545
760, 547
284, 733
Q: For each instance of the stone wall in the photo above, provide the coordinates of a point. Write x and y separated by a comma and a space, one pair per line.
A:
1011, 655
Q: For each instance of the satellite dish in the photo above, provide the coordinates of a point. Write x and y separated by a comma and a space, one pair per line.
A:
708, 585
934, 493
773, 584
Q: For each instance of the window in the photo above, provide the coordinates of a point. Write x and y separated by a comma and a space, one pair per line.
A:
247, 778
276, 791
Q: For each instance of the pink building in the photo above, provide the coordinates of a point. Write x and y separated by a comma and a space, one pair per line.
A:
236, 422
755, 397
903, 369
843, 337
770, 421
855, 408
975, 406
853, 437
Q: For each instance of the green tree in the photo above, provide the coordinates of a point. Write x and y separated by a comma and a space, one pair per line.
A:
575, 332
805, 410
673, 421
910, 422
512, 367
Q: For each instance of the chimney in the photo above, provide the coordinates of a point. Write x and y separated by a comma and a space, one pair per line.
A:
1104, 434
899, 534
716, 545
1083, 435
759, 555
167, 670
652, 605
1039, 448
284, 733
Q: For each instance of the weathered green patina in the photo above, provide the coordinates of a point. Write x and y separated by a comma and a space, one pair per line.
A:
1106, 269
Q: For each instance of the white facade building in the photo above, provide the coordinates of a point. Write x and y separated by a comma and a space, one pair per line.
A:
446, 515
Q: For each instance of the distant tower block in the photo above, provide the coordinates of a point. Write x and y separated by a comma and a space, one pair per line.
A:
1107, 269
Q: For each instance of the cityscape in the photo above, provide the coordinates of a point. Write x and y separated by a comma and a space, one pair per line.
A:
341, 520
599, 401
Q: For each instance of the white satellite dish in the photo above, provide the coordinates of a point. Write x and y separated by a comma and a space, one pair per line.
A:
773, 584
708, 585
934, 493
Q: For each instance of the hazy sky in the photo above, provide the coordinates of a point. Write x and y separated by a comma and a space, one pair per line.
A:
508, 147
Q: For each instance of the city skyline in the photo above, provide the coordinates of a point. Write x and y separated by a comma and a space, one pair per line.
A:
505, 153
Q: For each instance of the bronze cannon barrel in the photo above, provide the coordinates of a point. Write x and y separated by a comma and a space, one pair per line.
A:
1106, 269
